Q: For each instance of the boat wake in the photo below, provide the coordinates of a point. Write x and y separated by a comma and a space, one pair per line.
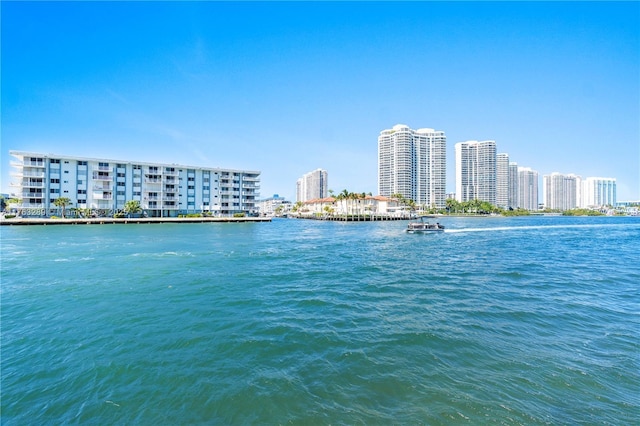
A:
531, 227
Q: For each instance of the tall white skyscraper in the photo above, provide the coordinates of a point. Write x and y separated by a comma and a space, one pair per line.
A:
513, 185
527, 188
413, 163
598, 191
560, 191
312, 185
502, 180
476, 171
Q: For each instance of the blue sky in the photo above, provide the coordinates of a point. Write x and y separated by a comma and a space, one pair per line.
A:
286, 88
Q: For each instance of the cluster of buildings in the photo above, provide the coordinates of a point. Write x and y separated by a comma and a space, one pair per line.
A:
484, 174
411, 163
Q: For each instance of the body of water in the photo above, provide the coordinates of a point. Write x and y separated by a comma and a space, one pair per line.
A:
526, 320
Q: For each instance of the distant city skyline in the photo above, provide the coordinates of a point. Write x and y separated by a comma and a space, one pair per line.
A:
215, 84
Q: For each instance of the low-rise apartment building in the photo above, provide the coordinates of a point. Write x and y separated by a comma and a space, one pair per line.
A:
104, 186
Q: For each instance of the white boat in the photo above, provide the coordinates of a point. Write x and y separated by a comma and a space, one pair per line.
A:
421, 226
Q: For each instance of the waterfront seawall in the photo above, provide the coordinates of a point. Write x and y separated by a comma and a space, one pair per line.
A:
113, 220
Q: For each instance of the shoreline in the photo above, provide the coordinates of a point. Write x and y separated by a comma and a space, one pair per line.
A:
124, 220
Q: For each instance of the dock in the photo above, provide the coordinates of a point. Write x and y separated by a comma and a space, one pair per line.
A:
355, 217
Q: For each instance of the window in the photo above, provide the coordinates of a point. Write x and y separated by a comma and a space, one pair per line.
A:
54, 161
55, 180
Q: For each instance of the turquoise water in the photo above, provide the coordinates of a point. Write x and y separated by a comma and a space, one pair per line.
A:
496, 321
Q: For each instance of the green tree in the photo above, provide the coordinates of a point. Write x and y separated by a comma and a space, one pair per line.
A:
132, 207
62, 202
452, 205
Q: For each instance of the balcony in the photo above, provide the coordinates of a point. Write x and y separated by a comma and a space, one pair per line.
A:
102, 176
103, 168
250, 179
28, 204
153, 180
102, 188
103, 196
32, 183
32, 195
29, 173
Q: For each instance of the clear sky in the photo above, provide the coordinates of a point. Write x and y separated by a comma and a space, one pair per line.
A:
286, 88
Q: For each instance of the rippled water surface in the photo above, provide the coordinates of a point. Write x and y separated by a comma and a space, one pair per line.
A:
496, 321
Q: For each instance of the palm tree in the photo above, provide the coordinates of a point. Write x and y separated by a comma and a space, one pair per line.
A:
62, 202
452, 205
132, 207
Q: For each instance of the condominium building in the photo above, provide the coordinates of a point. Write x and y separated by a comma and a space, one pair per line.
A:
513, 185
599, 191
273, 205
312, 185
413, 163
476, 171
527, 188
163, 190
502, 180
560, 192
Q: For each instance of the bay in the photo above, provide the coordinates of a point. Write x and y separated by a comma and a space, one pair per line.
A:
526, 320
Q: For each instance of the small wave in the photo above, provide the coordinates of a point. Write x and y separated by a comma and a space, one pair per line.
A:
163, 254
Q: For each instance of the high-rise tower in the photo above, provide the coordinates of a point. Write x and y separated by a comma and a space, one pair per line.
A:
312, 185
476, 171
413, 163
502, 180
